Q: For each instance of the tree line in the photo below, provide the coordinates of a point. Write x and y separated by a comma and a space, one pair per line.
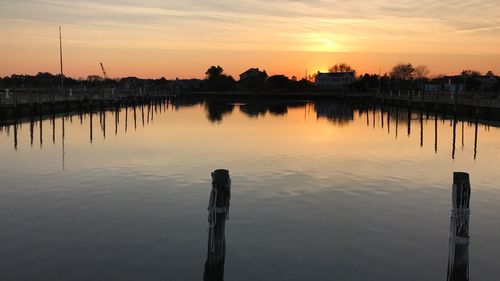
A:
402, 76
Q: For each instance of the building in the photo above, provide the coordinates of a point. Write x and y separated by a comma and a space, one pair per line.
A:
253, 78
488, 82
334, 80
454, 84
432, 88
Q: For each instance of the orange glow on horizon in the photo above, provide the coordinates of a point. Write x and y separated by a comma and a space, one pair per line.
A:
183, 39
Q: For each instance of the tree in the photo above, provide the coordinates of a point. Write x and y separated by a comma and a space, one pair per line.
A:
218, 81
277, 82
94, 78
214, 72
343, 67
421, 72
470, 73
402, 71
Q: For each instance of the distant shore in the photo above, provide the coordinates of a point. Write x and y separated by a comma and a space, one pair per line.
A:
469, 105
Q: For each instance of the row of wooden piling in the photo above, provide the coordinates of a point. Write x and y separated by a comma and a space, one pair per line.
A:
37, 107
389, 111
455, 104
144, 110
459, 239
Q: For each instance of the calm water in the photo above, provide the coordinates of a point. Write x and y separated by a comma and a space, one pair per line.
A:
321, 191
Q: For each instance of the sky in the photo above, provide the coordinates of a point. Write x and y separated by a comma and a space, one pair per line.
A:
183, 38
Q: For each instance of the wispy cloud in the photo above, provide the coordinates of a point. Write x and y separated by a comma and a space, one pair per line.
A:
371, 26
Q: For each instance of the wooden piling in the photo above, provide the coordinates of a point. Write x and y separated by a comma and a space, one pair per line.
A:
458, 259
476, 103
453, 147
218, 213
436, 105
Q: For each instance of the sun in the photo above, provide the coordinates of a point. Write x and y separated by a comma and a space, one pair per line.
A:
323, 42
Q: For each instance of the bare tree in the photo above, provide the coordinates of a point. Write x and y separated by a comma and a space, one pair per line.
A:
421, 72
402, 71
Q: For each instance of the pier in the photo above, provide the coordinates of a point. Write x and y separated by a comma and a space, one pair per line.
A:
19, 103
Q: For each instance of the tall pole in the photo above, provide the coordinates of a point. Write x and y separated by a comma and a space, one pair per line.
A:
61, 59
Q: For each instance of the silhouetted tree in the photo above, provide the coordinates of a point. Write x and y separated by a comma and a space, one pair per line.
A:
214, 72
277, 82
343, 67
402, 71
421, 72
218, 81
94, 78
470, 73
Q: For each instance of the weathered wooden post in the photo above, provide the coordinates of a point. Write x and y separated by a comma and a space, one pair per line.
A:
126, 116
91, 125
218, 213
421, 118
436, 105
476, 125
458, 259
14, 97
117, 119
409, 121
15, 132
103, 125
40, 121
476, 103
135, 117
435, 132
422, 93
53, 128
397, 121
454, 136
32, 127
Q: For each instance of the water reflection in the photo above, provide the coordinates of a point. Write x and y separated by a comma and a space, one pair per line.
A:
387, 118
216, 109
338, 113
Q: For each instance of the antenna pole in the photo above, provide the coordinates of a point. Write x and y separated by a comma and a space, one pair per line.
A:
61, 59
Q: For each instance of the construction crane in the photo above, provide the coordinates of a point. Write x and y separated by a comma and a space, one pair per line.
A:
104, 72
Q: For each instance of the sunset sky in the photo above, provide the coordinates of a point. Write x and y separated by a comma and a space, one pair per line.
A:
155, 38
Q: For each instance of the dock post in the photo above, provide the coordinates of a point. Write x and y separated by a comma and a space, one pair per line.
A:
458, 259
436, 105
477, 103
423, 98
14, 101
218, 213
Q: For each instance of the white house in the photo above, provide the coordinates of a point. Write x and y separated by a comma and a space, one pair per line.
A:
334, 80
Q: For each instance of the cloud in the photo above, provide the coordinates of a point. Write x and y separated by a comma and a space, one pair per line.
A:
354, 25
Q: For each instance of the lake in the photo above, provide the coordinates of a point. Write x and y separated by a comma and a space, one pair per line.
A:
321, 190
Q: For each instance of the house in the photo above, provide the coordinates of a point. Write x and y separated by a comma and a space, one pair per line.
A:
253, 78
432, 88
453, 84
129, 83
488, 82
334, 80
187, 84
